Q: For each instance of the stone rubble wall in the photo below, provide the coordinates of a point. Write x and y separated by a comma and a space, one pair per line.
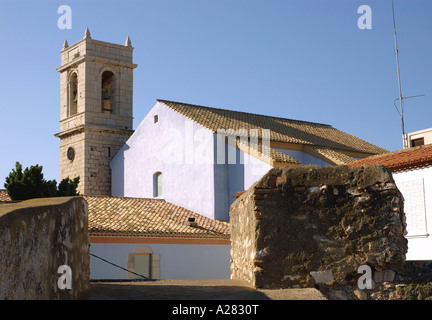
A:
36, 238
314, 226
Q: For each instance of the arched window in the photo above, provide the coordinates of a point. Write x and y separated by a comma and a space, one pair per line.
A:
108, 92
157, 184
73, 94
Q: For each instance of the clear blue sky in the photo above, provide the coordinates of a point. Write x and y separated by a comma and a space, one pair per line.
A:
298, 59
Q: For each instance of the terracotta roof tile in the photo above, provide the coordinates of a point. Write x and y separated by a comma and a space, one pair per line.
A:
148, 217
405, 159
282, 130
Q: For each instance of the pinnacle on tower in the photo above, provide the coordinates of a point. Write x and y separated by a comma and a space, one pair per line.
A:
87, 34
65, 44
128, 42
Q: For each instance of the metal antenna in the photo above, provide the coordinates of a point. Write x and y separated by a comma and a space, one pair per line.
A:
401, 113
398, 71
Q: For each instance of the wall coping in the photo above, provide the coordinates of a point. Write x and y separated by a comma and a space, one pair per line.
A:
33, 203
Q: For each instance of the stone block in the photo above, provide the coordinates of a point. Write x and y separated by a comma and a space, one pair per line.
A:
302, 226
322, 277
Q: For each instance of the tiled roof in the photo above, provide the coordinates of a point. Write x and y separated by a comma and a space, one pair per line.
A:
4, 197
121, 216
405, 159
322, 136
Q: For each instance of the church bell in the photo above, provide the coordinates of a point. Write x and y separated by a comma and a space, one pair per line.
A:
106, 95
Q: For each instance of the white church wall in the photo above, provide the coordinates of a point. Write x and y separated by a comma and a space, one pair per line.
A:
176, 147
416, 188
176, 261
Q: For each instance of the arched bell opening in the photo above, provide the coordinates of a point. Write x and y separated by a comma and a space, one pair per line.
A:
108, 92
73, 94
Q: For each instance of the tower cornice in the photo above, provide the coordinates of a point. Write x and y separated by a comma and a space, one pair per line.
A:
95, 128
96, 59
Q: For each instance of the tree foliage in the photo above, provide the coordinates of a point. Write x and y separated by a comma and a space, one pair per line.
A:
67, 187
30, 183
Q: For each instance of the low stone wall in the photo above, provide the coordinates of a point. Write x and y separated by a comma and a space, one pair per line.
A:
314, 226
36, 238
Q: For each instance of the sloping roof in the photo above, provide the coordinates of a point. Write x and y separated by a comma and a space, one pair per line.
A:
4, 197
323, 136
400, 160
122, 216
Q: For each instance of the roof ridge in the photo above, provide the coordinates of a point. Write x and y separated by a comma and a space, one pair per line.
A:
247, 113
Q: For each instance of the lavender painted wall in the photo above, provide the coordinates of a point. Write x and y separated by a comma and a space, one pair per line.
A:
165, 146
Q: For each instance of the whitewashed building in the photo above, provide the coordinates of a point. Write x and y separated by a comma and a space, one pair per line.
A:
417, 138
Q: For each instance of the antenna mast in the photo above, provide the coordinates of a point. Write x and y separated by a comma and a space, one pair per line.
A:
398, 71
405, 142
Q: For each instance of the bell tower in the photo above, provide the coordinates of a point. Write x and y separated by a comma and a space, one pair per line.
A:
96, 116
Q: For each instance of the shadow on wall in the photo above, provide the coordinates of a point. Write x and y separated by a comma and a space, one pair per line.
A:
228, 180
118, 172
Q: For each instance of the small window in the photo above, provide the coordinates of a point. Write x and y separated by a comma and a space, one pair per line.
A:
417, 142
156, 119
157, 184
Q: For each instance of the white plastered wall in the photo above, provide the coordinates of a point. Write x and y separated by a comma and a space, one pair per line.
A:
416, 187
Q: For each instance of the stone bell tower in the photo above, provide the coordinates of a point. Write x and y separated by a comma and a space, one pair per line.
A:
96, 118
